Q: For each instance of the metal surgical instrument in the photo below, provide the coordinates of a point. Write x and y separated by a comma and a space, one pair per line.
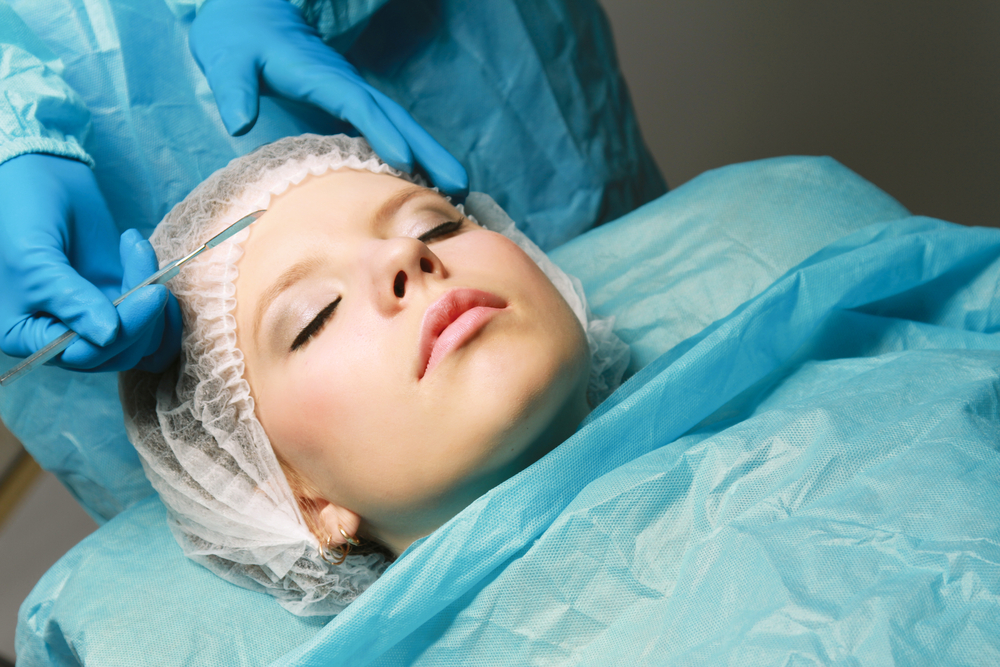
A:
158, 278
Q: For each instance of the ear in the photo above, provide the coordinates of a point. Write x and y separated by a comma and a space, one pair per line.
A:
323, 518
330, 519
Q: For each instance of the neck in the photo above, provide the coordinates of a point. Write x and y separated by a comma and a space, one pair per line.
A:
422, 522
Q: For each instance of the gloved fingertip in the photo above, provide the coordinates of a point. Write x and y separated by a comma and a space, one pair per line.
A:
445, 171
239, 128
239, 110
130, 243
397, 162
131, 237
395, 154
236, 88
99, 327
455, 187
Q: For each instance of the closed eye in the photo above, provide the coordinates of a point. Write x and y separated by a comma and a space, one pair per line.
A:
442, 230
314, 327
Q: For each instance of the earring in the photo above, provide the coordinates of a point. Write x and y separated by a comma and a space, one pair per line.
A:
341, 550
350, 538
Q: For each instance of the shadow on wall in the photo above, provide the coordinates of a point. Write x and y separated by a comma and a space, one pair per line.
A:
17, 472
906, 93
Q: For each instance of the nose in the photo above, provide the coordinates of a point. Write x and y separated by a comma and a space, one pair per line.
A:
402, 265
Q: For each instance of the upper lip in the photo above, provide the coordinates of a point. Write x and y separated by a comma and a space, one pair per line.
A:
445, 310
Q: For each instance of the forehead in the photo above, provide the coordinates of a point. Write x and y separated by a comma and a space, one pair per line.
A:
346, 197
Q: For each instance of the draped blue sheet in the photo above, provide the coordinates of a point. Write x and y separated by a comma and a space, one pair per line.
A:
814, 478
835, 498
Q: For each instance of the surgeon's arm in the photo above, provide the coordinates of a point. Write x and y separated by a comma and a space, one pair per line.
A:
59, 249
242, 45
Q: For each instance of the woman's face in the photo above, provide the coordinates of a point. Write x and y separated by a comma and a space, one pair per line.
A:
402, 359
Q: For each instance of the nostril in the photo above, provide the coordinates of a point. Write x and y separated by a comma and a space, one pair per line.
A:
399, 285
426, 266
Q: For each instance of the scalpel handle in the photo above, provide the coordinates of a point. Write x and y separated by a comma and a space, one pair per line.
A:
66, 339
39, 358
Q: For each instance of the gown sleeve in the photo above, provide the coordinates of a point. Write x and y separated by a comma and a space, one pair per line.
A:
39, 111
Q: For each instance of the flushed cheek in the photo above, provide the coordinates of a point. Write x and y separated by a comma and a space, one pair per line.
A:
494, 248
294, 422
337, 407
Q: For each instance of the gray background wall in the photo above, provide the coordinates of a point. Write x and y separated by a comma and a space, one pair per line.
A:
904, 92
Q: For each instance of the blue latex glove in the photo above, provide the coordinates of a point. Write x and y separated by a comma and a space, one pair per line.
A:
240, 43
59, 268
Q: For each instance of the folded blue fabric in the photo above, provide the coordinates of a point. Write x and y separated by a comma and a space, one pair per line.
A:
813, 477
833, 502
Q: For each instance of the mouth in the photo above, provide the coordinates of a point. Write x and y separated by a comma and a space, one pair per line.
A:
451, 321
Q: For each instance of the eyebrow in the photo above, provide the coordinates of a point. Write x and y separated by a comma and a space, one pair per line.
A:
295, 273
391, 206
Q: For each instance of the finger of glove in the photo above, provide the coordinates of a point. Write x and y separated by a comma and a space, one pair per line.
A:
170, 344
347, 100
31, 334
140, 315
142, 323
138, 258
141, 331
162, 341
444, 170
236, 88
57, 289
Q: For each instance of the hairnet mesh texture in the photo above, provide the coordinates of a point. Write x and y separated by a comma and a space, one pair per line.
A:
230, 506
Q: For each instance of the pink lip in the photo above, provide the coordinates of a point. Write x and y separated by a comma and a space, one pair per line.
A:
452, 320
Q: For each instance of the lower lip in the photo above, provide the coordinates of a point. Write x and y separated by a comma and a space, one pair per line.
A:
459, 332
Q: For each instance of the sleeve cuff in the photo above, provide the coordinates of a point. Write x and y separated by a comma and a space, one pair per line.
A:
68, 148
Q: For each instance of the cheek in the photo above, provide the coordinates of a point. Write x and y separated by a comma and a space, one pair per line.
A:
496, 250
305, 407
328, 412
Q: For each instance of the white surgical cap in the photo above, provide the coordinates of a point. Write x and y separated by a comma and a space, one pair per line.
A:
229, 504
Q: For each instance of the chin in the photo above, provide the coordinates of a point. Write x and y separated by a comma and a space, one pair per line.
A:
527, 390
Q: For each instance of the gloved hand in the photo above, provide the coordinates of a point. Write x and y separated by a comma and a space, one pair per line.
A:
239, 43
59, 268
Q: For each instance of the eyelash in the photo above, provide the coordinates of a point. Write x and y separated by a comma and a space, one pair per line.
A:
314, 327
442, 230
321, 318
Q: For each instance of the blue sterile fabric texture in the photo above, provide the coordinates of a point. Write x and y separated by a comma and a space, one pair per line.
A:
39, 111
526, 95
803, 469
